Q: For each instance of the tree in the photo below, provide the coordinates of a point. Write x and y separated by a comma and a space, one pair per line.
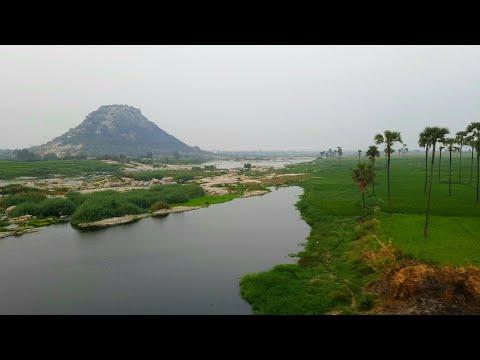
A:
423, 142
450, 145
50, 156
388, 138
363, 175
440, 161
469, 141
359, 153
247, 166
373, 153
399, 153
474, 129
26, 155
406, 152
176, 154
460, 140
432, 135
340, 152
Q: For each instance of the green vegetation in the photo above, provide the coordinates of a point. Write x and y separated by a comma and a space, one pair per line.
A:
332, 274
10, 169
210, 200
45, 208
107, 204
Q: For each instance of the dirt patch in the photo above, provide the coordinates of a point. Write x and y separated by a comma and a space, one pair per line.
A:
418, 288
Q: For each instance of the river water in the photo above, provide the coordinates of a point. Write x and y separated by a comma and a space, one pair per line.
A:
186, 263
275, 162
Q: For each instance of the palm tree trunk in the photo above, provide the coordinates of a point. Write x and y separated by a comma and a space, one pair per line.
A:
439, 163
429, 200
478, 174
388, 180
426, 170
460, 169
471, 168
450, 175
373, 182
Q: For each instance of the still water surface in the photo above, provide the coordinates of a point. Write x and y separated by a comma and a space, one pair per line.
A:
275, 163
186, 263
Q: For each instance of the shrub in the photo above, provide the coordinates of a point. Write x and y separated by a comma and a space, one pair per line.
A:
16, 199
93, 211
16, 188
57, 207
184, 178
27, 208
159, 205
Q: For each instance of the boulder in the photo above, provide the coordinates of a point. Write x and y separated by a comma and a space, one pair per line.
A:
7, 210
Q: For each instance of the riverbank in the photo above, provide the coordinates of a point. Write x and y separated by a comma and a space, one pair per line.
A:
358, 263
110, 201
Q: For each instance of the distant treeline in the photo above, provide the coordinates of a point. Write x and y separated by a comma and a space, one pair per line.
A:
148, 158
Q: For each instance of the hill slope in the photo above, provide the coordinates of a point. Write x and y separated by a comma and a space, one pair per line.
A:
116, 129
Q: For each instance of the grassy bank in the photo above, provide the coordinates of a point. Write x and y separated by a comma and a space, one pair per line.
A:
332, 274
99, 205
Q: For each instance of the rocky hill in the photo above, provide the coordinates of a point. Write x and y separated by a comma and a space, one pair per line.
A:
116, 129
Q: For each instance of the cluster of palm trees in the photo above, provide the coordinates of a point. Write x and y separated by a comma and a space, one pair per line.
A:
433, 135
469, 137
332, 153
364, 174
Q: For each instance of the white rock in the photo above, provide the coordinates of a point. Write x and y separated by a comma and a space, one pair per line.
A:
7, 210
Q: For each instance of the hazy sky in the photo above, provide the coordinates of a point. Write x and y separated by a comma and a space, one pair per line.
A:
243, 97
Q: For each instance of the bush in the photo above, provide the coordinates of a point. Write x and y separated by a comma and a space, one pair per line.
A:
27, 208
159, 205
184, 178
32, 197
16, 188
57, 207
91, 211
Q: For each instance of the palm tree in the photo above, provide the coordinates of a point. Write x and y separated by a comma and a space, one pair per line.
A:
388, 138
460, 140
474, 128
450, 144
373, 153
363, 175
440, 161
431, 136
340, 152
406, 152
469, 141
399, 153
422, 142
359, 153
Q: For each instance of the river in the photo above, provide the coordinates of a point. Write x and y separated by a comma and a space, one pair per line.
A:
275, 162
186, 263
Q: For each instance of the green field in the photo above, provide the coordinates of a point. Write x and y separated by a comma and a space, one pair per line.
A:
330, 275
11, 169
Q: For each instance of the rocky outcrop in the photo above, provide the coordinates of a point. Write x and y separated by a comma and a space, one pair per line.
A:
113, 221
175, 209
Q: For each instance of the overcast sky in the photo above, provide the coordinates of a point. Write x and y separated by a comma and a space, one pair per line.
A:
243, 97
